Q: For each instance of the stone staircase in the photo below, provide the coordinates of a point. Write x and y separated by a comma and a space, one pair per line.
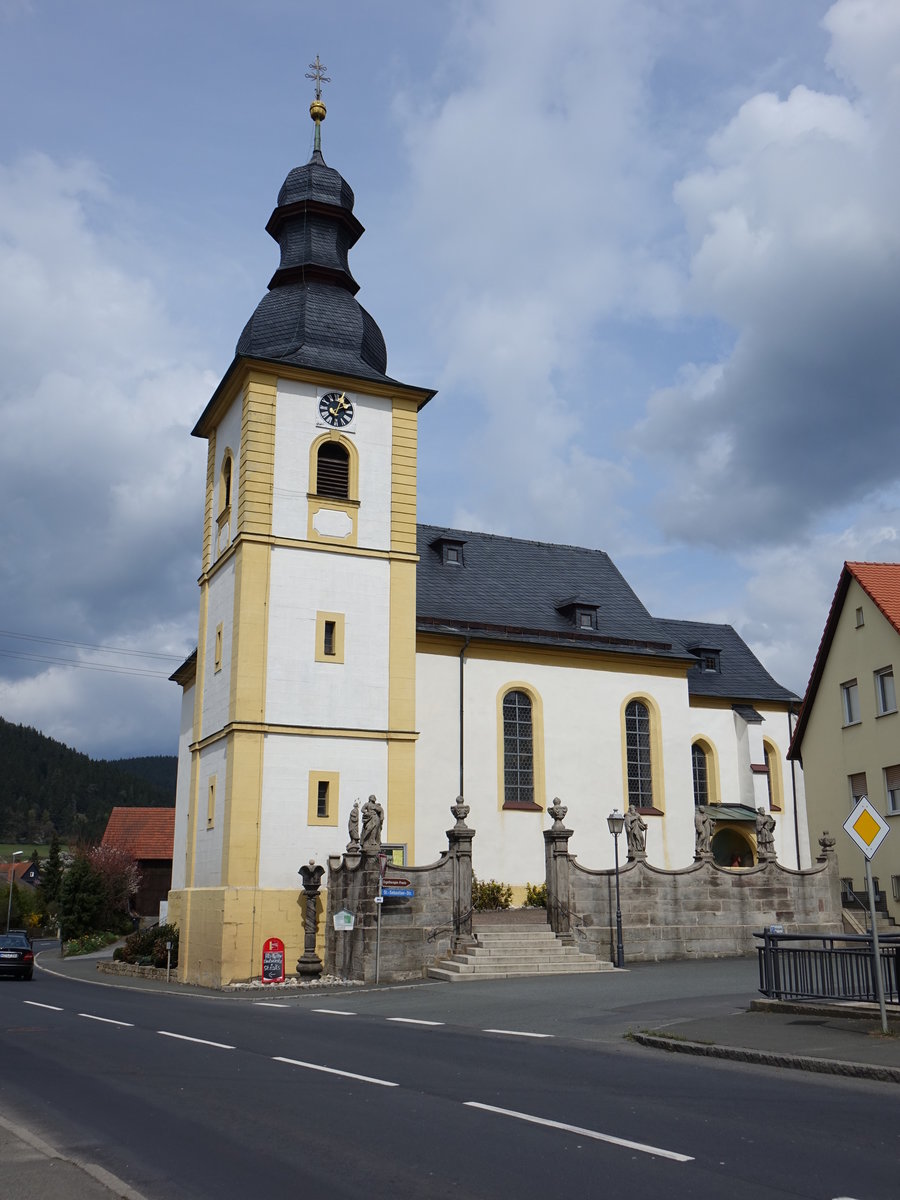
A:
511, 951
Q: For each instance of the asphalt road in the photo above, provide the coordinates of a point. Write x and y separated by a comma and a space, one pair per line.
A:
359, 1093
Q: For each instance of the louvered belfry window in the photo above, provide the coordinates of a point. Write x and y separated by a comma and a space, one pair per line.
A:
637, 747
333, 471
518, 749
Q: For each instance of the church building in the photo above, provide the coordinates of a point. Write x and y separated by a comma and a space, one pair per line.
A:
345, 650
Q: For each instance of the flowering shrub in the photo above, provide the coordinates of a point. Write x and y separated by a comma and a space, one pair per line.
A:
535, 895
489, 894
148, 946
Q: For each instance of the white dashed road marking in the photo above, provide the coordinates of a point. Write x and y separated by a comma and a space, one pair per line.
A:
107, 1020
182, 1037
517, 1033
589, 1133
333, 1012
36, 1004
268, 1004
413, 1021
293, 1062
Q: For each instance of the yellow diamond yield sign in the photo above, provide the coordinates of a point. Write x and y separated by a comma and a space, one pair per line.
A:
867, 827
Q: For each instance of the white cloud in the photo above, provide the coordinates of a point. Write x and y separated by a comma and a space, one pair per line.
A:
100, 483
795, 227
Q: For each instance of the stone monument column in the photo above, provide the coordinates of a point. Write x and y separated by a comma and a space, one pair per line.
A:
309, 965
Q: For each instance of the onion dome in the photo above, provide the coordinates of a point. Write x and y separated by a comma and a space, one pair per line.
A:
310, 316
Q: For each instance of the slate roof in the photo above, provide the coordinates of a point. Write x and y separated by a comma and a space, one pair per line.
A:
144, 833
741, 676
512, 590
881, 583
310, 317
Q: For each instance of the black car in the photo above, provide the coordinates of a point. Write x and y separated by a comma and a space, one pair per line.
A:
16, 956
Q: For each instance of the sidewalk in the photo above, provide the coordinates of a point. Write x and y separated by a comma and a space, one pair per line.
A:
43, 1173
809, 1037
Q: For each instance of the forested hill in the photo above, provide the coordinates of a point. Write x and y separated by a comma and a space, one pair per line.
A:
46, 787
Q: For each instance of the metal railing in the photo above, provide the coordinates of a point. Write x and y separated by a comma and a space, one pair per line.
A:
796, 966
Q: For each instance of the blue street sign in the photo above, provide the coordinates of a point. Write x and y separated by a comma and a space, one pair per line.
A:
398, 892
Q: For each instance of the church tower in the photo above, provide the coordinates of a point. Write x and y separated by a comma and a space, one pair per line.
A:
301, 696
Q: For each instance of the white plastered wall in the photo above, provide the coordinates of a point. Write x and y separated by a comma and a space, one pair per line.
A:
297, 426
183, 787
286, 840
217, 688
582, 717
228, 440
301, 691
208, 841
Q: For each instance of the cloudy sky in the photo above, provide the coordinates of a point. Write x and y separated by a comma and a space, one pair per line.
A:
647, 250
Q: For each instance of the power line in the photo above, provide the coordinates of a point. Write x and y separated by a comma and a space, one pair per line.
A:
27, 637
84, 666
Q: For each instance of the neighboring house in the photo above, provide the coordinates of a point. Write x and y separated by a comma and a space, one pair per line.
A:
28, 873
147, 834
346, 650
848, 732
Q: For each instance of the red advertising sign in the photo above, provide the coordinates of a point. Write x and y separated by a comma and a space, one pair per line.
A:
273, 961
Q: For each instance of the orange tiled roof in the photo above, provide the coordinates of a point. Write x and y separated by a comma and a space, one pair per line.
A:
881, 582
18, 869
141, 832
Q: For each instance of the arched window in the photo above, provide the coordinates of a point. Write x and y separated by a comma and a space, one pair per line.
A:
637, 751
773, 775
333, 470
701, 774
518, 749
225, 483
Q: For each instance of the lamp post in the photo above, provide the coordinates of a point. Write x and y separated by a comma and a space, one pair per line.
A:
11, 876
616, 823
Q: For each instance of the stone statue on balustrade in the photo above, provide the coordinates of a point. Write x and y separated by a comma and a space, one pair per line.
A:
635, 833
372, 821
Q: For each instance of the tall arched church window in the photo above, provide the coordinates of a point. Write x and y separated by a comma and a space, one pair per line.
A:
225, 484
333, 470
518, 749
637, 751
701, 774
773, 775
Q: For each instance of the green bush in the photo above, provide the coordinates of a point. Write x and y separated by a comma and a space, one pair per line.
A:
535, 895
148, 946
88, 943
488, 895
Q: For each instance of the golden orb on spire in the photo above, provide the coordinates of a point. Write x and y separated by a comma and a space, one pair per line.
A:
317, 111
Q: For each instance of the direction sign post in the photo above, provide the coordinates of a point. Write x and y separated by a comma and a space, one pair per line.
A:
868, 829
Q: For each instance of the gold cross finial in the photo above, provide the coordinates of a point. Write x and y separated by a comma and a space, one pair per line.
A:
317, 108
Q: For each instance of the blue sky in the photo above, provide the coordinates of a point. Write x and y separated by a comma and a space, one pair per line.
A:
647, 250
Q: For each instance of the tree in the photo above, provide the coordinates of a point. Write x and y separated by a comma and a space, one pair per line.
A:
82, 899
51, 876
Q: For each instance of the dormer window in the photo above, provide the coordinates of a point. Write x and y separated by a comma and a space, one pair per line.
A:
708, 658
586, 618
450, 549
582, 611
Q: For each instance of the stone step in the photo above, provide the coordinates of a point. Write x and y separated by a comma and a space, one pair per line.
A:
445, 971
496, 954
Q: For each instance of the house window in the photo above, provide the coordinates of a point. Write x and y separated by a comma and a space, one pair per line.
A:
211, 802
892, 788
701, 774
860, 619
586, 618
858, 787
885, 695
328, 638
322, 799
637, 751
225, 484
333, 470
518, 749
217, 658
711, 661
452, 555
772, 757
850, 702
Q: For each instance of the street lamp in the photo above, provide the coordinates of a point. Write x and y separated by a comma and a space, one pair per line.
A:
616, 823
11, 876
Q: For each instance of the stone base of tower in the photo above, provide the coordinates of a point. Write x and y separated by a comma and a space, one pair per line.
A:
222, 931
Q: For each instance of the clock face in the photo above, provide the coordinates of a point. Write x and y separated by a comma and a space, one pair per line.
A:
335, 409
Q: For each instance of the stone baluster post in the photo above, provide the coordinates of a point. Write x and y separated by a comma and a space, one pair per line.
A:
460, 839
556, 859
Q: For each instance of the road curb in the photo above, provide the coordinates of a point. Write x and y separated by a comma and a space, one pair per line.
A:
770, 1058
